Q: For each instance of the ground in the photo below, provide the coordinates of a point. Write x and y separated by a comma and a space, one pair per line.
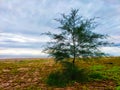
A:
30, 74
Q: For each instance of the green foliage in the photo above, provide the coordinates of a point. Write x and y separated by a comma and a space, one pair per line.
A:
117, 88
96, 76
96, 72
114, 69
76, 38
68, 75
114, 74
97, 67
56, 79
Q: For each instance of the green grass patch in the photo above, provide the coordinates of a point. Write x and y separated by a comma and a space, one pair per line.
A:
97, 67
117, 88
114, 74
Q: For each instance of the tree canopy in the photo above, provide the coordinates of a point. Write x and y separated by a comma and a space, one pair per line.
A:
76, 38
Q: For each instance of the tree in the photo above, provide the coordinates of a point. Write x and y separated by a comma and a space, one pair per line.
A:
76, 38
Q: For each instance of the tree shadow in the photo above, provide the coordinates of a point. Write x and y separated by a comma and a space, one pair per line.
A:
68, 75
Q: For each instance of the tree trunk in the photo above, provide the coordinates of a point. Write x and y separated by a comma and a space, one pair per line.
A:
74, 45
73, 59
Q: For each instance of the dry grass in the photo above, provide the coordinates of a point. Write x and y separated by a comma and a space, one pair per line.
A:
30, 74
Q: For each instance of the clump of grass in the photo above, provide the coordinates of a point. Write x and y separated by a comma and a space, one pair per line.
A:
96, 76
56, 79
85, 88
14, 71
68, 75
33, 87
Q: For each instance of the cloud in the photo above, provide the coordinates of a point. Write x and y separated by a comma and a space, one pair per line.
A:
24, 52
11, 40
111, 50
21, 52
22, 38
23, 21
115, 39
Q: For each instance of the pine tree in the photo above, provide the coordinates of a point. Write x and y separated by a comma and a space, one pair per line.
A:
77, 39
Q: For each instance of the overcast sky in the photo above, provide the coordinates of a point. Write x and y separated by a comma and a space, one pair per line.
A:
22, 22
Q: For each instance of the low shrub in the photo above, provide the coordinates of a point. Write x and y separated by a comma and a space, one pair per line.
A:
69, 74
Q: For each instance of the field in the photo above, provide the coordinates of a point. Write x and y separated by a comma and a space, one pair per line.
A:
31, 74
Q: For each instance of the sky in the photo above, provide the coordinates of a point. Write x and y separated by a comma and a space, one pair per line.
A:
23, 21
